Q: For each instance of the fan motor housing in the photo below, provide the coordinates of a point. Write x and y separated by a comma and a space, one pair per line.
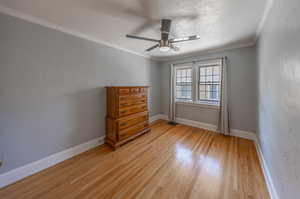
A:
163, 43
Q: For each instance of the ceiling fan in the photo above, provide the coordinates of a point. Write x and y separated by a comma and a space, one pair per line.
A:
165, 44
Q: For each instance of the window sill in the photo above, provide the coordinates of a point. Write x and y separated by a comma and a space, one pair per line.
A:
201, 105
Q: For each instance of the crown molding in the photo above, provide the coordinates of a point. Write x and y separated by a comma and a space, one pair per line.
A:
45, 23
263, 20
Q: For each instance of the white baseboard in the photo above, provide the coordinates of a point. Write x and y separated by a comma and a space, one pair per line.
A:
211, 127
158, 117
34, 167
243, 134
197, 124
266, 172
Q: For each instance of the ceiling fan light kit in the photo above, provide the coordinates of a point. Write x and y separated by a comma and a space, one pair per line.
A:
164, 48
165, 44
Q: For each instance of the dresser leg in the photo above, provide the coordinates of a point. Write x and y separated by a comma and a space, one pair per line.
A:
116, 147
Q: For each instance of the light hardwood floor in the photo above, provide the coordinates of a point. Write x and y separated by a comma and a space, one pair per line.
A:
170, 162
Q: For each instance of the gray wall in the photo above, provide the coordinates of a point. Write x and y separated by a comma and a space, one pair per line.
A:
52, 94
242, 84
279, 96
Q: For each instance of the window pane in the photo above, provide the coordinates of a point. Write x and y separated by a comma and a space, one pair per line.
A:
213, 95
209, 88
202, 79
214, 88
216, 78
216, 70
202, 95
209, 70
183, 79
208, 78
183, 73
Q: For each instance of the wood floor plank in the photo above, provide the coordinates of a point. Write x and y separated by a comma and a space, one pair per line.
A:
176, 162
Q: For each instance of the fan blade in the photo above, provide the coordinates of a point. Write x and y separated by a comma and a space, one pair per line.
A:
151, 48
141, 38
190, 38
175, 48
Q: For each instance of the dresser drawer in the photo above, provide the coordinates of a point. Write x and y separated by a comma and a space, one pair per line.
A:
132, 120
132, 102
126, 91
123, 134
132, 109
132, 97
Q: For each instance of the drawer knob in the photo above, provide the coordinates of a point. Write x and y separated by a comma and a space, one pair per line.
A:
123, 124
123, 112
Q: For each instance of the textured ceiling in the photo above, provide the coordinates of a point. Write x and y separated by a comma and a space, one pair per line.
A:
220, 23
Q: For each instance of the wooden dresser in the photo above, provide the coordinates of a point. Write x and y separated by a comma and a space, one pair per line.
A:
127, 114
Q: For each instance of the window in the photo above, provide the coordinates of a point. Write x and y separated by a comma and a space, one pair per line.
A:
209, 83
198, 83
184, 84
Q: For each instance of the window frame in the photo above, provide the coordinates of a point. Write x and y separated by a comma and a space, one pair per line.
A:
195, 66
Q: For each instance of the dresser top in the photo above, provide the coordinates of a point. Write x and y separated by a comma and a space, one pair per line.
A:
127, 86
